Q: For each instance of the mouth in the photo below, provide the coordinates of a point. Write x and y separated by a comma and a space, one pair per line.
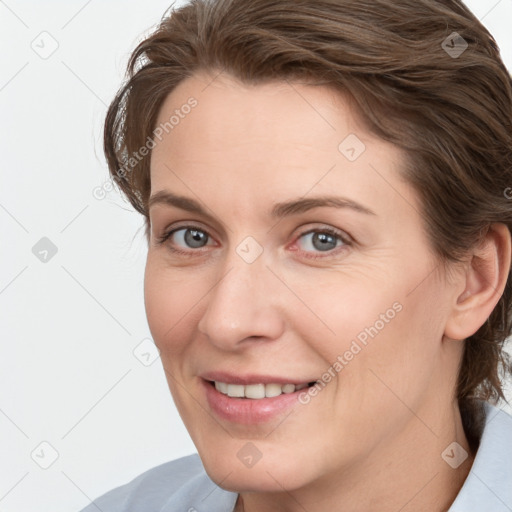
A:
252, 404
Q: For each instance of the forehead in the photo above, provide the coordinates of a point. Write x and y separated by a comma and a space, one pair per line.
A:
285, 139
236, 116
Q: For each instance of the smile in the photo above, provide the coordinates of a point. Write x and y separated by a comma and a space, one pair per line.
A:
257, 391
249, 404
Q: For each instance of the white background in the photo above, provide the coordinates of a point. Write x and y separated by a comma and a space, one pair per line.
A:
68, 374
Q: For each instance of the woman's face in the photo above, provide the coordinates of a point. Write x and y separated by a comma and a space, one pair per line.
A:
265, 281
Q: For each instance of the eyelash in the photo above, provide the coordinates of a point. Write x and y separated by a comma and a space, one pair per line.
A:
327, 230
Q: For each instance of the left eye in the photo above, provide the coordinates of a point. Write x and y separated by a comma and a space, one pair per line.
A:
322, 240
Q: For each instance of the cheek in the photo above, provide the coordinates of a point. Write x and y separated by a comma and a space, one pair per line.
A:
169, 302
383, 328
398, 363
344, 312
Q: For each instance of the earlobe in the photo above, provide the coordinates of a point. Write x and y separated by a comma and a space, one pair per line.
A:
484, 281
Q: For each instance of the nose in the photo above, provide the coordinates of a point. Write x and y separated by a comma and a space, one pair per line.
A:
243, 306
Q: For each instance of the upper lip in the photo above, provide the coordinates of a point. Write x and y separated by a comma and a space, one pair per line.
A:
252, 378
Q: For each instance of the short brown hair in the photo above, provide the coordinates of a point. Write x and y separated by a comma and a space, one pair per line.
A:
451, 113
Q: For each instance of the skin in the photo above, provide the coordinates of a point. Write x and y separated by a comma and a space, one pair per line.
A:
372, 438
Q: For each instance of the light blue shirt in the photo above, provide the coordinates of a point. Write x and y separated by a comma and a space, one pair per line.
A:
182, 485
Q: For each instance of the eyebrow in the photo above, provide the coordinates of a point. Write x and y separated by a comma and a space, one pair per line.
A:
279, 210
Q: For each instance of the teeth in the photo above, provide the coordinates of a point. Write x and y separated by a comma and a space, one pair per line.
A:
272, 390
288, 388
222, 387
236, 390
256, 391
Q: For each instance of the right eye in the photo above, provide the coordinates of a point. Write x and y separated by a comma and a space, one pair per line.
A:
191, 237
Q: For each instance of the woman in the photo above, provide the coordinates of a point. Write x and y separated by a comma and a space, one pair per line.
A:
329, 253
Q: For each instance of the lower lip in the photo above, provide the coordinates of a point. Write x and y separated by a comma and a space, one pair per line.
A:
248, 411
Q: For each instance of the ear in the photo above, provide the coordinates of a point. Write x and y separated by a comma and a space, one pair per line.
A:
483, 283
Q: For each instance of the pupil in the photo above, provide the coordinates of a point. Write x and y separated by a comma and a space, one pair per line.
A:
194, 238
324, 239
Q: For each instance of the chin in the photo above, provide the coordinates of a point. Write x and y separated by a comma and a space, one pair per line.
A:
264, 476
